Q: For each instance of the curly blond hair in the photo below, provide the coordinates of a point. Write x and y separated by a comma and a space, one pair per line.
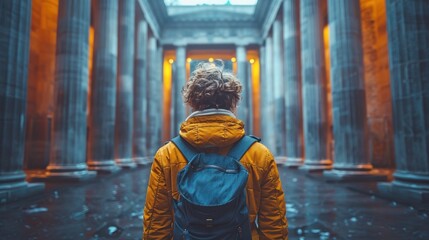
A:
210, 87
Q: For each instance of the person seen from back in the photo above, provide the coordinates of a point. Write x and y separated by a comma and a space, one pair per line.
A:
212, 127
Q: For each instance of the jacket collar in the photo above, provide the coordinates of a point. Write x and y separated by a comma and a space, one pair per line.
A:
211, 111
212, 128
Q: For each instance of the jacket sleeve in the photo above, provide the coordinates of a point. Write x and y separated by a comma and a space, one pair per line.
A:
272, 212
158, 216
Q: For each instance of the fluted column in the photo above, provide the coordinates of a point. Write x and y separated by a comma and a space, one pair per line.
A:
279, 94
408, 36
179, 110
140, 95
292, 73
154, 98
125, 77
263, 97
348, 93
41, 79
268, 88
313, 71
243, 105
103, 88
14, 55
68, 156
159, 100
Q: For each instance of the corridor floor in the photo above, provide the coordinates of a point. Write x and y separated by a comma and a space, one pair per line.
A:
110, 207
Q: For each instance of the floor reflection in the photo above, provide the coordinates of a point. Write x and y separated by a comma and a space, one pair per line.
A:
111, 208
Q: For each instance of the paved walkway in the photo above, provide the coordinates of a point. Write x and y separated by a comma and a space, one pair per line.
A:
111, 208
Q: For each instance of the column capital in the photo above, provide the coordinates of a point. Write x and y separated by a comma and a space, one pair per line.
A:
180, 45
240, 53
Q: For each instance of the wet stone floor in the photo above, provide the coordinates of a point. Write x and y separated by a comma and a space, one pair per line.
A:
110, 207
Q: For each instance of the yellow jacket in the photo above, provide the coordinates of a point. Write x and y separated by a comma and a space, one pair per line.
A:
216, 133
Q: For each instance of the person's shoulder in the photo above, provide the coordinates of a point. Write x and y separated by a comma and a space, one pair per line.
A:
259, 155
165, 149
260, 148
169, 154
163, 153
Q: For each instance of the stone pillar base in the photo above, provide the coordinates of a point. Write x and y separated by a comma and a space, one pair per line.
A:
54, 176
403, 194
311, 166
26, 189
142, 161
280, 160
103, 167
127, 163
293, 162
355, 176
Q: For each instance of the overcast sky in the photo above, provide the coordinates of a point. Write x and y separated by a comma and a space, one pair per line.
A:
195, 2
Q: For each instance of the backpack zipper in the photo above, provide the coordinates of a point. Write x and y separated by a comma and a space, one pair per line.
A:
185, 234
240, 232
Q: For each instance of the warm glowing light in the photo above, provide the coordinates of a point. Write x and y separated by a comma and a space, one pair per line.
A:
233, 59
252, 61
171, 61
189, 60
211, 59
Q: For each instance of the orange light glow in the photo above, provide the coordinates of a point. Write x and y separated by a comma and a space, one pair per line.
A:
189, 60
253, 58
233, 59
167, 79
211, 59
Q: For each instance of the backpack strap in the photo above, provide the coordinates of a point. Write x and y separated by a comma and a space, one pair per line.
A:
241, 147
185, 148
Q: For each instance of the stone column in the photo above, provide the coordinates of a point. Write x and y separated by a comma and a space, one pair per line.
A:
41, 79
159, 101
348, 93
279, 94
263, 97
179, 109
313, 71
68, 156
243, 105
268, 87
124, 97
250, 98
173, 101
103, 88
408, 35
154, 112
292, 73
14, 55
140, 95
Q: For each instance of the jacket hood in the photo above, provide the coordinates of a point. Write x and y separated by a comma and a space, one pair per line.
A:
212, 130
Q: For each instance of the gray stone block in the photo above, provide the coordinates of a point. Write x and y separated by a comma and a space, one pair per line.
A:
355, 176
126, 163
75, 176
409, 195
13, 194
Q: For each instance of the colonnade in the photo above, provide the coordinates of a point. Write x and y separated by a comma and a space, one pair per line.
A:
326, 102
125, 93
315, 107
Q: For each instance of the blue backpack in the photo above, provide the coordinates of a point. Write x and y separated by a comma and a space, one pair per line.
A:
212, 188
